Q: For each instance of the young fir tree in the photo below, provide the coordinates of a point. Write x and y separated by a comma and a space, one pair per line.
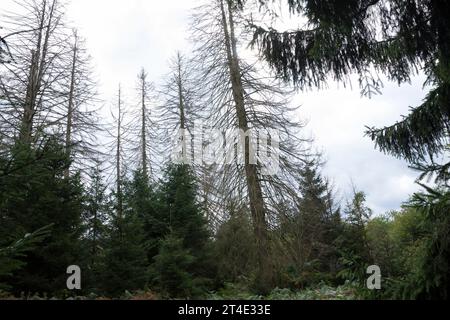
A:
310, 229
35, 194
234, 247
187, 236
95, 219
179, 201
312, 213
142, 200
354, 244
125, 261
172, 267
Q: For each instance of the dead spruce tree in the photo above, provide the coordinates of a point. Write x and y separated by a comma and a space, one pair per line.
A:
241, 95
116, 133
81, 123
120, 117
142, 140
31, 85
179, 106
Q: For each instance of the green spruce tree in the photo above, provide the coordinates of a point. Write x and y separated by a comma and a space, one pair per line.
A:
35, 194
125, 263
185, 247
95, 219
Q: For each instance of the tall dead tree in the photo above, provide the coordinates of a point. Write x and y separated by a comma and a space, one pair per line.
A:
119, 158
182, 106
71, 98
142, 144
241, 95
144, 111
80, 116
179, 106
116, 164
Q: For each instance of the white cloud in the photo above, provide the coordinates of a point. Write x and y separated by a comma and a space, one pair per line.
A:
338, 118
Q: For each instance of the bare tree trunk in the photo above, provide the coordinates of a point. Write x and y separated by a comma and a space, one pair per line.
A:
253, 182
37, 70
143, 77
118, 165
182, 107
71, 105
30, 101
94, 237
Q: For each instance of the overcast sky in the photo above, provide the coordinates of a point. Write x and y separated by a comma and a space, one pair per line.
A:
125, 35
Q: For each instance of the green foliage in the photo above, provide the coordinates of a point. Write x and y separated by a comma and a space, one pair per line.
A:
341, 39
431, 279
33, 194
319, 292
392, 37
158, 235
178, 200
235, 248
125, 262
171, 268
308, 234
422, 133
234, 291
141, 200
10, 256
185, 232
382, 247
353, 243
95, 219
412, 249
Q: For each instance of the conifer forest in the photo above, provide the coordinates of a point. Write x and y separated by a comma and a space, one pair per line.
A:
206, 181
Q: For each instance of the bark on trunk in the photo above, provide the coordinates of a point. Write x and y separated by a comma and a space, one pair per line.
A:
144, 126
182, 109
71, 106
118, 166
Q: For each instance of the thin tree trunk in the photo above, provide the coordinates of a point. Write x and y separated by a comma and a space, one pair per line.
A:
144, 125
94, 236
182, 108
71, 106
30, 101
118, 166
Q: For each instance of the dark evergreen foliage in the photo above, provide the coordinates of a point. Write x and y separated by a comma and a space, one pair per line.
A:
178, 200
187, 235
11, 255
396, 38
95, 220
125, 262
35, 194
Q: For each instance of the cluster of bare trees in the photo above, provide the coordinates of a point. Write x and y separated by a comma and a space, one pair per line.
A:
49, 89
